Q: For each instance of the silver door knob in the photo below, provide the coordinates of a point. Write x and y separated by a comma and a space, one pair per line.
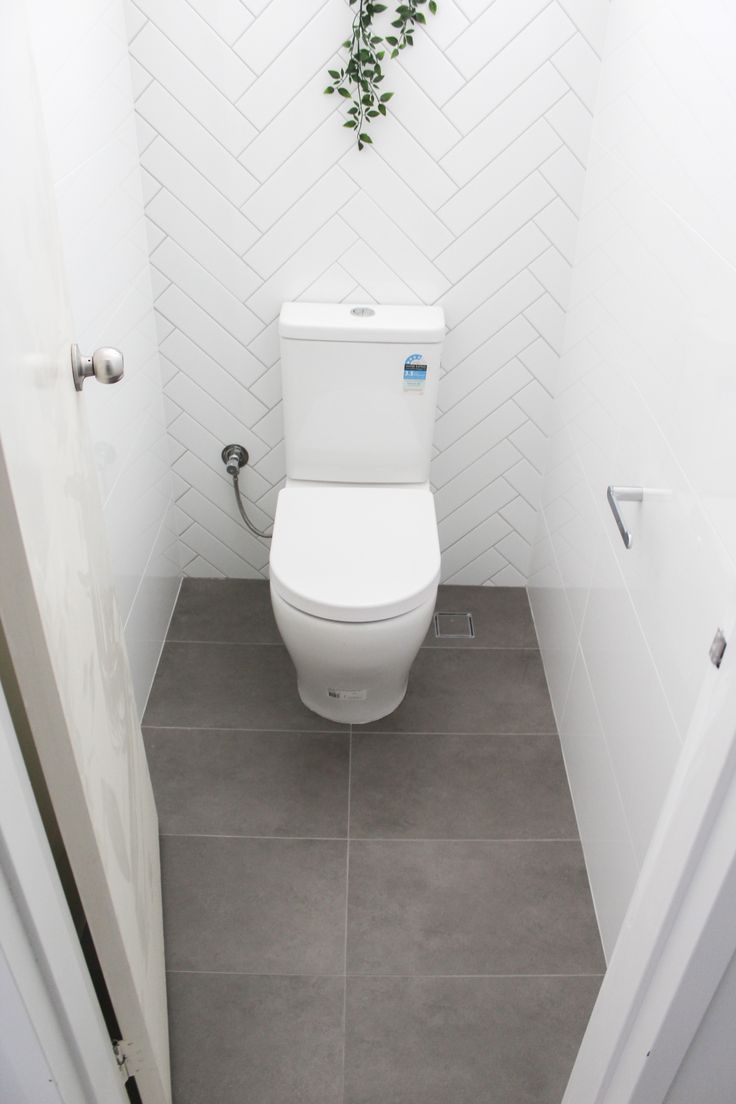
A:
106, 365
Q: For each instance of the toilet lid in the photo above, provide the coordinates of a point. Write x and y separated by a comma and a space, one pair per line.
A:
350, 553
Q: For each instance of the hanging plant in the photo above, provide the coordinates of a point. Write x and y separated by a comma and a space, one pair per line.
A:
408, 15
362, 76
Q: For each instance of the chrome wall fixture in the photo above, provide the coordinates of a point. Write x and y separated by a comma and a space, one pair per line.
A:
615, 495
106, 365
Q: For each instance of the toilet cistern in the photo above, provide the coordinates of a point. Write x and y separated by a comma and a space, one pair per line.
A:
355, 557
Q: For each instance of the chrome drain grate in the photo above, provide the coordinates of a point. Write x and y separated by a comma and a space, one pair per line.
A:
454, 625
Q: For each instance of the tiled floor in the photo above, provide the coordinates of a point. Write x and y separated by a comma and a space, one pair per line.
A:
394, 915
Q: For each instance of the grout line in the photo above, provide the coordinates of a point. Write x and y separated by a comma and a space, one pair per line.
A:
366, 977
343, 731
285, 731
472, 977
376, 839
424, 647
347, 899
236, 835
464, 839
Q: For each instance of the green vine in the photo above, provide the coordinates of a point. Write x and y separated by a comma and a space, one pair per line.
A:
359, 81
408, 16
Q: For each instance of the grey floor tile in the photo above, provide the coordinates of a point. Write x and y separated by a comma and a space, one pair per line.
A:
225, 782
463, 1040
264, 1040
265, 906
472, 690
459, 787
232, 610
470, 908
501, 617
228, 686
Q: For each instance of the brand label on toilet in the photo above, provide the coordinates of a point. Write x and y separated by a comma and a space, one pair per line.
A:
347, 695
415, 373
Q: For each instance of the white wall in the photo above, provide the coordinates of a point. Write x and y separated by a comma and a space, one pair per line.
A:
82, 62
645, 396
469, 198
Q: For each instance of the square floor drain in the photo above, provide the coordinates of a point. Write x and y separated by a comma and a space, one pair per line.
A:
454, 625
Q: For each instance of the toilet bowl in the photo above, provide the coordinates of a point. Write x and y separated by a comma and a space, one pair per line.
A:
355, 558
354, 574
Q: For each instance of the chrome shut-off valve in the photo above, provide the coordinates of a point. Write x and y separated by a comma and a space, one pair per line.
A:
106, 365
234, 457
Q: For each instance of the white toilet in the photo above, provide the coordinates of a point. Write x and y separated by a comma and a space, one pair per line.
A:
355, 559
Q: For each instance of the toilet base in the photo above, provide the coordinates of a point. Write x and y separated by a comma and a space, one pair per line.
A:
352, 672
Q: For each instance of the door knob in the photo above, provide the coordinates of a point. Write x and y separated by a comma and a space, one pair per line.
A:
106, 365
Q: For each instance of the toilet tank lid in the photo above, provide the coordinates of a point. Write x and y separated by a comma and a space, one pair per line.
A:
351, 322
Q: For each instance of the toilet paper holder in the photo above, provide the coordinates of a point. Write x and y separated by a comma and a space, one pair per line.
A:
615, 495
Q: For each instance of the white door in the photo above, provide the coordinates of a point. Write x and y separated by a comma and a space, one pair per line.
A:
58, 608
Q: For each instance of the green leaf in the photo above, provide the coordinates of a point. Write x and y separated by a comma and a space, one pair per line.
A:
359, 82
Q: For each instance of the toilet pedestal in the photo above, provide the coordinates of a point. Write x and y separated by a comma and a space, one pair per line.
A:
352, 672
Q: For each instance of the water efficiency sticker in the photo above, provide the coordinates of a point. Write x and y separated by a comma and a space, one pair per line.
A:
415, 373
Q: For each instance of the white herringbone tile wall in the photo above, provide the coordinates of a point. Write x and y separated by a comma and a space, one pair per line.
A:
469, 198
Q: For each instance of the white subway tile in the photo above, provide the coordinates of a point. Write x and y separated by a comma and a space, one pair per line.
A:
194, 191
494, 227
199, 42
196, 238
505, 124
501, 76
196, 144
159, 57
206, 291
497, 26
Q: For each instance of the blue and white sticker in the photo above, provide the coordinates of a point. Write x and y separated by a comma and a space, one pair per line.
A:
415, 373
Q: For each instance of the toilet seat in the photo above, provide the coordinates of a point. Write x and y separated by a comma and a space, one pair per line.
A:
355, 553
